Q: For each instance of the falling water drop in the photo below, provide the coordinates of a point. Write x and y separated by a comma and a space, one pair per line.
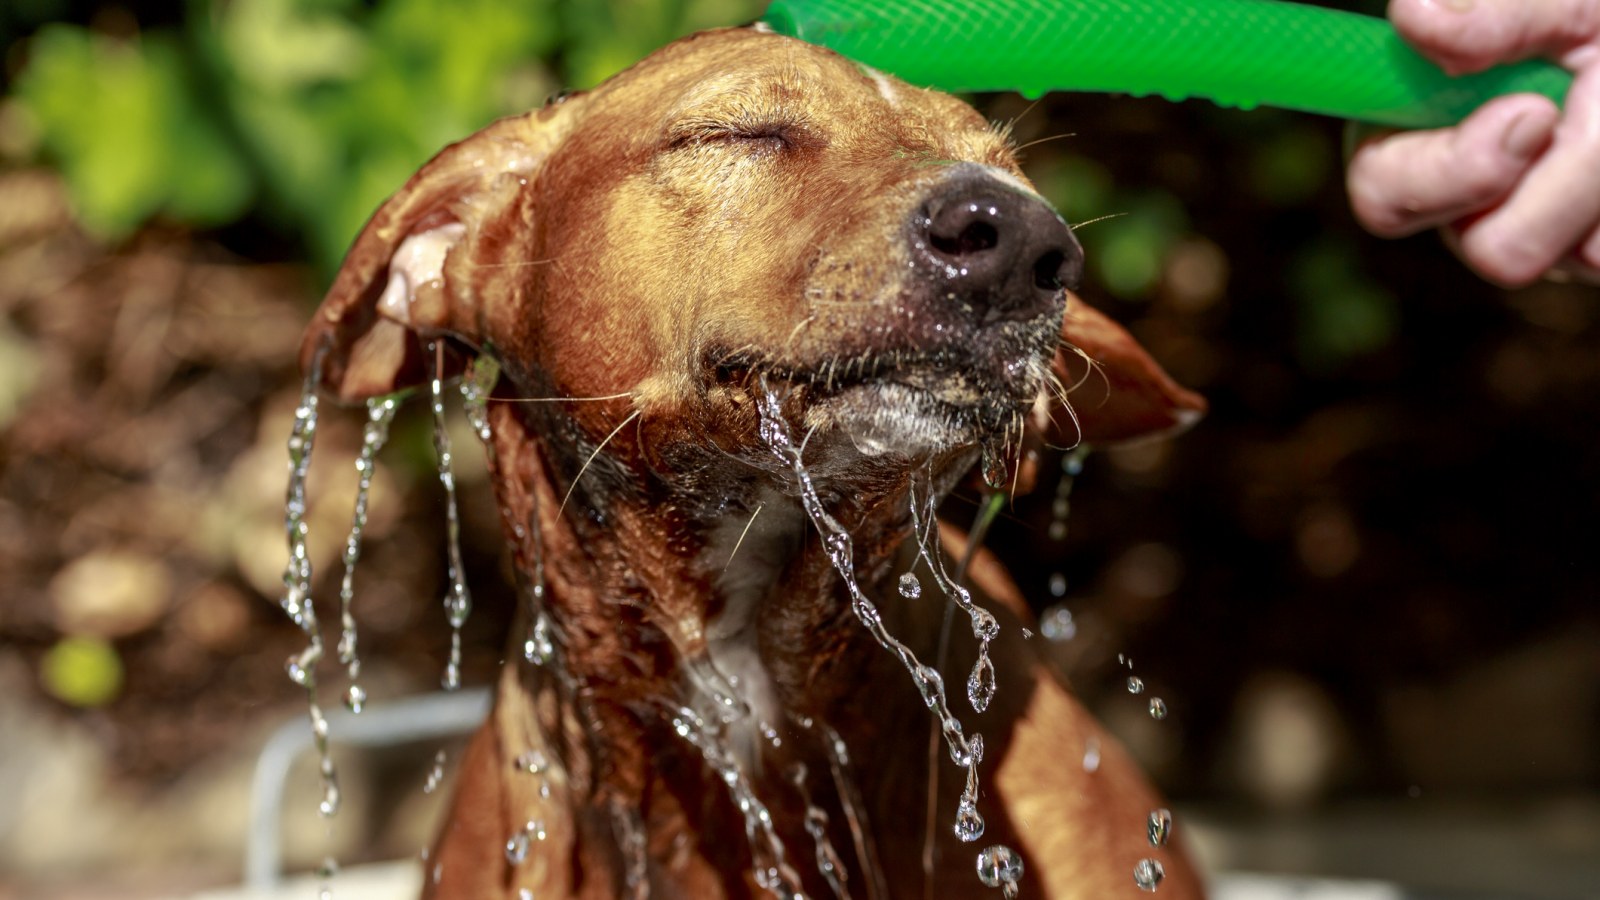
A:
355, 698
1058, 584
1091, 755
910, 587
994, 467
534, 762
538, 647
1159, 827
1000, 866
1158, 708
969, 824
517, 848
1147, 874
981, 684
1135, 684
1056, 624
331, 797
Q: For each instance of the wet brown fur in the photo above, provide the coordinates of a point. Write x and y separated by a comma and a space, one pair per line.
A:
734, 197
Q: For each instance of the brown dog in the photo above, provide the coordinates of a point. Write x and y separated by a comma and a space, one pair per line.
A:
805, 295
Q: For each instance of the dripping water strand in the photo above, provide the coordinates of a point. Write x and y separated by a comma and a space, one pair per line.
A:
458, 600
816, 825
980, 682
987, 513
855, 810
297, 602
628, 827
538, 645
476, 385
772, 870
929, 684
534, 763
1056, 621
380, 413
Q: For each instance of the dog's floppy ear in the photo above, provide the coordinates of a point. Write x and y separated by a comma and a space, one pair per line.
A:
1118, 393
406, 275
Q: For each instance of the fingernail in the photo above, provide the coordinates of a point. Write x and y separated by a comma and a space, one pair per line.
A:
1456, 5
1525, 136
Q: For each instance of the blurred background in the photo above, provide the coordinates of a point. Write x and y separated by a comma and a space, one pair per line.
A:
1365, 587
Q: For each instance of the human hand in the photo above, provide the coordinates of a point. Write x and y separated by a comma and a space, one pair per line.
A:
1517, 184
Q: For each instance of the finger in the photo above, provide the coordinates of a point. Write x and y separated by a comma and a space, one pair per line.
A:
1472, 35
1554, 208
1406, 182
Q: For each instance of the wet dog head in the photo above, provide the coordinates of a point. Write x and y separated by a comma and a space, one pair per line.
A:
739, 212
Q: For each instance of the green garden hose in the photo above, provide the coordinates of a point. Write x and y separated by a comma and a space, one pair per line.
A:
1240, 53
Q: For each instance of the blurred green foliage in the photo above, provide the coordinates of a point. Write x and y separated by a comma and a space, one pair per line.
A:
309, 111
82, 671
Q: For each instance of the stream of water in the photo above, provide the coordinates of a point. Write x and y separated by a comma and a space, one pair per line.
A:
965, 752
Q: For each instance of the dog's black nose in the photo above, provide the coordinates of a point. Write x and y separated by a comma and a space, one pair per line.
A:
997, 249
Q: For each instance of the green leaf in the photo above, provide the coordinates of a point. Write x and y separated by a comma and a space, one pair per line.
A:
82, 672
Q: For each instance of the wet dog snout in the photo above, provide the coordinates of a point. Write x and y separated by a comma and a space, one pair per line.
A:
997, 249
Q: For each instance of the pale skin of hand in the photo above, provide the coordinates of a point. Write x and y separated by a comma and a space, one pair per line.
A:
1516, 186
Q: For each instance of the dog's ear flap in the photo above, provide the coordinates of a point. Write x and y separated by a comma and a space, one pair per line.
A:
397, 282
1118, 394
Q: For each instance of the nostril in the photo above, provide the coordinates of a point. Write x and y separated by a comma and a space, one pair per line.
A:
1050, 272
974, 238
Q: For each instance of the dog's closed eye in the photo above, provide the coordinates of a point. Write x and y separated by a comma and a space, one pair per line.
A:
754, 134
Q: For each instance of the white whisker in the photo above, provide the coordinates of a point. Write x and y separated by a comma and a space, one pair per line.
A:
559, 399
575, 479
740, 542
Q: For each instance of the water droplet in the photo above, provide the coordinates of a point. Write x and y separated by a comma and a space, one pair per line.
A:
452, 676
994, 468
1061, 507
969, 824
1072, 462
999, 865
517, 848
1091, 755
539, 646
355, 698
1158, 708
435, 774
1058, 584
981, 684
975, 749
1058, 530
1160, 827
1056, 624
525, 894
534, 762
330, 796
1135, 684
910, 587
985, 627
1147, 874
329, 867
